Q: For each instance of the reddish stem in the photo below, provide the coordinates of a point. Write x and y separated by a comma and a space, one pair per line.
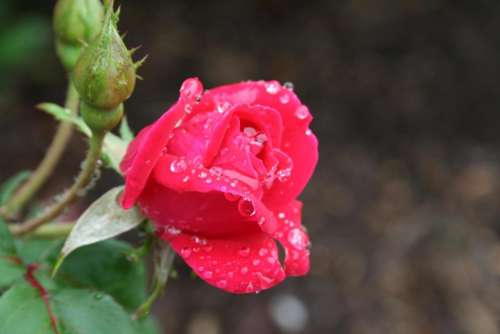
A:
30, 277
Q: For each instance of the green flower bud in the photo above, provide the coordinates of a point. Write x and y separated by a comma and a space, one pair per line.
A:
100, 121
105, 74
76, 22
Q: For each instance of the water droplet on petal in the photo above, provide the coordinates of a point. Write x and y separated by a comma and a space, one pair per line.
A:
249, 131
246, 207
216, 171
222, 108
256, 262
188, 108
172, 230
221, 284
185, 179
261, 221
244, 270
263, 252
281, 215
271, 260
302, 112
244, 251
208, 274
190, 88
308, 132
285, 98
185, 252
178, 166
288, 85
272, 88
261, 138
202, 174
297, 238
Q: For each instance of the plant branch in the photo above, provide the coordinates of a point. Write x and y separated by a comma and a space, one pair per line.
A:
48, 231
89, 165
163, 258
47, 165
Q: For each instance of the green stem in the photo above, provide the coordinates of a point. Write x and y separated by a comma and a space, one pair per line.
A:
89, 165
164, 258
48, 231
48, 164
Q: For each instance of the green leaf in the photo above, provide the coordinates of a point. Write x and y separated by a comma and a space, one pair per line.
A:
63, 114
78, 311
105, 266
33, 250
23, 311
9, 186
103, 220
87, 312
126, 133
11, 267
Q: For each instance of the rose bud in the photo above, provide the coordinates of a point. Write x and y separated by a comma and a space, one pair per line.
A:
219, 174
105, 76
75, 22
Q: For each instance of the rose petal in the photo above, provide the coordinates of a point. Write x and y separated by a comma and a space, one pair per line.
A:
148, 151
294, 238
297, 140
200, 200
245, 264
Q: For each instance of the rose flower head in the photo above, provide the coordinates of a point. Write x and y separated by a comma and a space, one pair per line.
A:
219, 174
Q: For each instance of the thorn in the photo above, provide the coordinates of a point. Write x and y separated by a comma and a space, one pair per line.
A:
133, 50
140, 62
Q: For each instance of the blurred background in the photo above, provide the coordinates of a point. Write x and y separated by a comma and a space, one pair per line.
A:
403, 210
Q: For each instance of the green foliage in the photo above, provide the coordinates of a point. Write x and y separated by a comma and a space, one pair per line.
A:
94, 292
10, 265
112, 273
9, 186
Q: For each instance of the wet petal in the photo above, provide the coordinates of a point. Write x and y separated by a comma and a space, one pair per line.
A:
244, 264
153, 141
294, 238
298, 141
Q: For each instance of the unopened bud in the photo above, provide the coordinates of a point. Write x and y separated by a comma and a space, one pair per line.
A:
105, 74
76, 22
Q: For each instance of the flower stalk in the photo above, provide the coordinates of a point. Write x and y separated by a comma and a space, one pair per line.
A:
89, 165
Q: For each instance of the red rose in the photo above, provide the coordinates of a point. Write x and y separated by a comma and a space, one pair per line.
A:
219, 174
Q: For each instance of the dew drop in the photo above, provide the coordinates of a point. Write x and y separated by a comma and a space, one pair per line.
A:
261, 138
185, 252
263, 252
249, 131
221, 284
301, 112
272, 88
297, 238
188, 108
208, 274
178, 166
261, 221
185, 179
246, 207
216, 171
98, 296
244, 270
288, 85
202, 174
222, 108
172, 230
244, 251
271, 260
281, 215
256, 262
189, 88
285, 98
308, 132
